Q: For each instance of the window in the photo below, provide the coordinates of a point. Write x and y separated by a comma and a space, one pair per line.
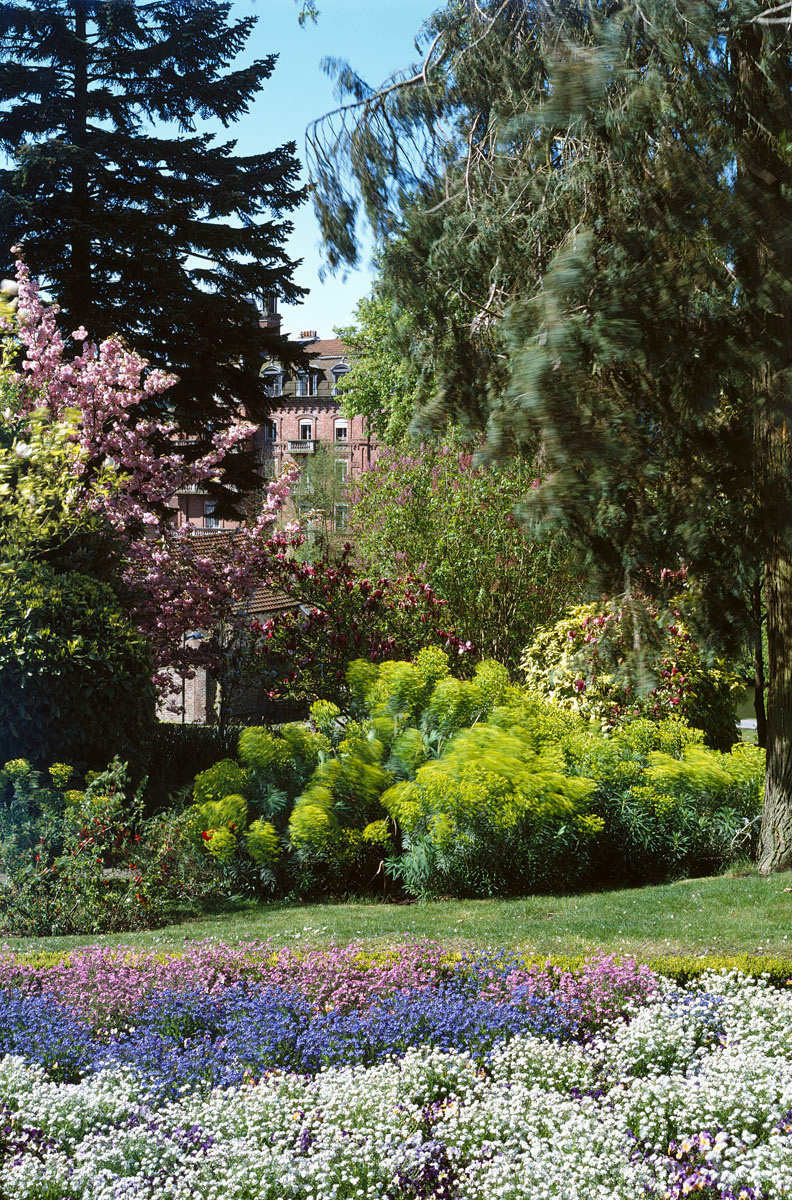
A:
307, 383
342, 469
306, 431
273, 381
209, 519
339, 371
341, 516
341, 431
270, 431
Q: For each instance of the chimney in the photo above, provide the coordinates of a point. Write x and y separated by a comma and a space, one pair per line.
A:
308, 335
270, 317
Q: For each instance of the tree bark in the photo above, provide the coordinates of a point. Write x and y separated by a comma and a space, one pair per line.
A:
760, 72
775, 840
759, 665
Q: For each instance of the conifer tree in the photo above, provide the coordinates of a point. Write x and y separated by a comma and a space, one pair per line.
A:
645, 328
138, 221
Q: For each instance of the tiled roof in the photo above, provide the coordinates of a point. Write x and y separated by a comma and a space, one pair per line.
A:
264, 598
327, 348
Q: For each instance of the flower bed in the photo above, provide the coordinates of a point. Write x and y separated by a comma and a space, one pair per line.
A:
246, 1074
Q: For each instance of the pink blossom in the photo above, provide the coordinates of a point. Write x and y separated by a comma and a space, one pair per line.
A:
177, 589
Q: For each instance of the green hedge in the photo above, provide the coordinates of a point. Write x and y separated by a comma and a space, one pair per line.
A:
75, 676
176, 753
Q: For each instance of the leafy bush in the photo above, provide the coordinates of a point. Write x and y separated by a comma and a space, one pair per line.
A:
337, 829
339, 616
586, 662
242, 811
75, 677
492, 817
82, 860
670, 806
442, 516
471, 787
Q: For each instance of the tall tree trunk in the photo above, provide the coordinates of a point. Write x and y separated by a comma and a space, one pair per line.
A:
775, 841
759, 665
761, 81
774, 463
78, 304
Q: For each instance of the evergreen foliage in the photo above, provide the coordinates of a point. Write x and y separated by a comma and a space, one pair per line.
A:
608, 236
140, 223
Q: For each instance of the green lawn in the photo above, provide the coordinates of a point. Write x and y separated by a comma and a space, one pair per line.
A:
719, 915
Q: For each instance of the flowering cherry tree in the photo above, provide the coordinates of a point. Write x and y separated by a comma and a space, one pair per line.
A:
123, 469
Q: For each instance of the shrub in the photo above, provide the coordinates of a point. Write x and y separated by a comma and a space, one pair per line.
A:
75, 677
492, 817
670, 806
242, 812
585, 662
337, 829
339, 616
82, 860
441, 515
471, 787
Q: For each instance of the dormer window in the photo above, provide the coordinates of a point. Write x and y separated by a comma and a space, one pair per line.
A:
307, 382
339, 371
273, 381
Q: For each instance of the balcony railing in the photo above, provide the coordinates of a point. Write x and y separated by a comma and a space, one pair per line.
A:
301, 447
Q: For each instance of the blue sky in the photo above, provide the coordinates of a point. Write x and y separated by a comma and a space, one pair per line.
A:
377, 38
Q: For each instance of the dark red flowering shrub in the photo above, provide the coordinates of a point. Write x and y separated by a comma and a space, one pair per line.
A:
341, 616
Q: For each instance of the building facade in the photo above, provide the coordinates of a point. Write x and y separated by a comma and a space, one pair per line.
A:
305, 414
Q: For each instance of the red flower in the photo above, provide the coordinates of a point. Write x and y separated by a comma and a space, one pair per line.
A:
207, 834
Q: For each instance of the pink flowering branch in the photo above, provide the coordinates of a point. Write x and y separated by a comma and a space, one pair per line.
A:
174, 587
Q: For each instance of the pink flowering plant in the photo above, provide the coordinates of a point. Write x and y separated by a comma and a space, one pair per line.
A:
87, 459
114, 984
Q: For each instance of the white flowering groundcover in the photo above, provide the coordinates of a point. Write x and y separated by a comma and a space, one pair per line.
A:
691, 1096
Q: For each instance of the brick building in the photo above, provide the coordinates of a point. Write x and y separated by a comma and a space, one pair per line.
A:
305, 413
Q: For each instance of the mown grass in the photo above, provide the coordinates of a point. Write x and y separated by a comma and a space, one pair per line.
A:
724, 914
